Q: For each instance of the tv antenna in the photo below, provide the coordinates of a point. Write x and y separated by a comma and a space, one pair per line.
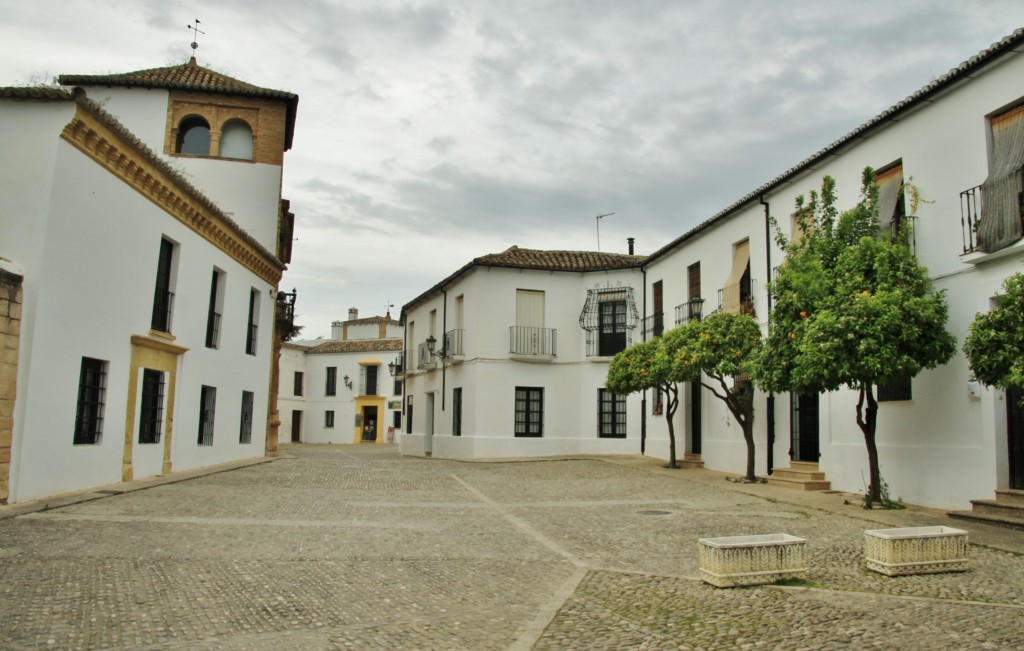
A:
598, 219
195, 34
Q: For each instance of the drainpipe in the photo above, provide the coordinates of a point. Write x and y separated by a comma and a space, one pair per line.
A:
643, 394
444, 329
771, 397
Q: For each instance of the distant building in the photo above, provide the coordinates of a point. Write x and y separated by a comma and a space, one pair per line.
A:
507, 357
142, 240
342, 389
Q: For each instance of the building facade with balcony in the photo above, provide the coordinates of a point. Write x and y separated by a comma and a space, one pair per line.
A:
507, 357
148, 237
943, 440
346, 389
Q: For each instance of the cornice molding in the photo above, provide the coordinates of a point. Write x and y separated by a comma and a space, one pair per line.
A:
123, 159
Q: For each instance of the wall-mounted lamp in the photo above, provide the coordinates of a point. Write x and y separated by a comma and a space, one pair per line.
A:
431, 344
391, 368
347, 381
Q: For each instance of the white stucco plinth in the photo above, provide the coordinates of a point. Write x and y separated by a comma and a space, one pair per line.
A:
751, 560
915, 550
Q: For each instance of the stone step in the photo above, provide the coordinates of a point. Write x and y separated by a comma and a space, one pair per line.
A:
1010, 496
799, 474
799, 483
988, 518
691, 460
998, 507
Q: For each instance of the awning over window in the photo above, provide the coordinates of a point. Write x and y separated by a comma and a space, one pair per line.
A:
890, 187
590, 317
740, 260
1000, 211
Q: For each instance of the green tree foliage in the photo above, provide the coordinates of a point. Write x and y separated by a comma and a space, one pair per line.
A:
995, 342
851, 309
648, 365
719, 352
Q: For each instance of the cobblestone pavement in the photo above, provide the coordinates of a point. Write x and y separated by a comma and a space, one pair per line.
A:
349, 547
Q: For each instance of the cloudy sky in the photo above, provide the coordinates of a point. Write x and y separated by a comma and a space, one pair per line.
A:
433, 132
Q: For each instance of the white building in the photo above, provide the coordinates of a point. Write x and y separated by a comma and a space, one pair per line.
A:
942, 439
343, 389
142, 242
507, 357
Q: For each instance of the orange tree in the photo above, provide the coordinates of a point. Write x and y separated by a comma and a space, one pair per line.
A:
995, 343
851, 309
649, 365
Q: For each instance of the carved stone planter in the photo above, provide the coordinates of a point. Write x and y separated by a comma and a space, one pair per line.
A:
915, 550
751, 560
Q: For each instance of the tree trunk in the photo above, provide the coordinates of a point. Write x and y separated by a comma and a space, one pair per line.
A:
670, 411
867, 418
748, 436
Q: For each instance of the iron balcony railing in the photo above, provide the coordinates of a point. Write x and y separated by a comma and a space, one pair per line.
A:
213, 330
425, 359
400, 364
691, 310
528, 340
654, 325
737, 298
972, 212
608, 342
250, 340
453, 343
163, 307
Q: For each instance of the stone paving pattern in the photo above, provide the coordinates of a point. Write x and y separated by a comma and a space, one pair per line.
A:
349, 547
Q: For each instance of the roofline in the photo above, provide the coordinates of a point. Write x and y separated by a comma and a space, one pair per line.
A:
989, 56
82, 99
110, 81
479, 262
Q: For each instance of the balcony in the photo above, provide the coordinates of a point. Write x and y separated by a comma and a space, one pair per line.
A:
691, 310
163, 307
972, 213
452, 344
213, 329
608, 342
737, 298
425, 358
250, 339
532, 342
397, 367
654, 325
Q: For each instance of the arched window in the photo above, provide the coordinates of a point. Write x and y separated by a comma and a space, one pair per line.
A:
236, 140
194, 136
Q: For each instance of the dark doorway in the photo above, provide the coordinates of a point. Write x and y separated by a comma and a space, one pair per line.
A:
369, 424
804, 428
1015, 436
296, 426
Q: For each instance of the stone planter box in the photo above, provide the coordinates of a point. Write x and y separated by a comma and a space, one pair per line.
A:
915, 550
751, 560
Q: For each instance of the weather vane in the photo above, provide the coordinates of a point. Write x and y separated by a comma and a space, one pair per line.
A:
387, 306
195, 34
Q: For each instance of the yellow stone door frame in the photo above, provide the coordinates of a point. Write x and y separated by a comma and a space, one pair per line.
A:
158, 354
361, 403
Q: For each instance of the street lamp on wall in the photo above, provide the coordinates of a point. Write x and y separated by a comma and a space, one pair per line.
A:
431, 344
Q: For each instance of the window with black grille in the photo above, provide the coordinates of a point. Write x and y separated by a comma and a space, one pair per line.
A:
163, 298
92, 391
895, 391
245, 422
329, 418
611, 415
457, 411
529, 411
331, 382
297, 384
253, 327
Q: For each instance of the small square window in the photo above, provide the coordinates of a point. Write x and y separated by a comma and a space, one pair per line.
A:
328, 419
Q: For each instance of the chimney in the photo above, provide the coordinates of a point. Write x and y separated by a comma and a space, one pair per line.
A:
337, 330
629, 241
353, 314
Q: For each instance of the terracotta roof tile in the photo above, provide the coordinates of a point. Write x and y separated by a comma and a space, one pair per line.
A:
191, 77
517, 258
358, 346
954, 76
37, 93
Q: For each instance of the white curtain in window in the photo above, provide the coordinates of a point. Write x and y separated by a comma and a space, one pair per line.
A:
1000, 211
236, 140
